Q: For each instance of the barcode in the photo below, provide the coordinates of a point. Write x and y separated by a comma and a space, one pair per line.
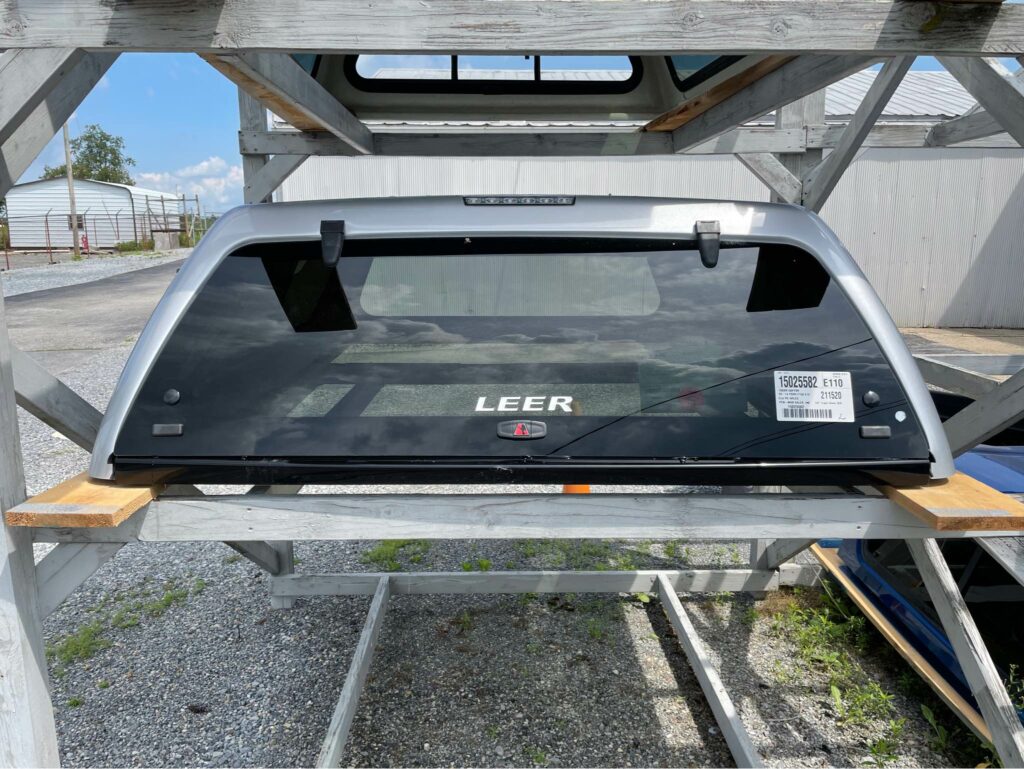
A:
807, 413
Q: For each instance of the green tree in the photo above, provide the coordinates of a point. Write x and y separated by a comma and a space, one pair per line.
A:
97, 155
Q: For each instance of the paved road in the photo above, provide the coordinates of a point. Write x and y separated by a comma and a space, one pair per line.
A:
62, 327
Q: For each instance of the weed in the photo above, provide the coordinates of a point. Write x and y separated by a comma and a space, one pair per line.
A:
123, 618
198, 586
884, 749
386, 553
464, 622
534, 647
750, 616
940, 734
480, 564
80, 645
736, 556
492, 732
103, 683
527, 598
1015, 686
643, 597
74, 702
536, 755
671, 549
596, 628
170, 597
233, 558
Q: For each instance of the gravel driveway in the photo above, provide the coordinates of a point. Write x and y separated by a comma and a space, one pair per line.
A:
170, 655
27, 279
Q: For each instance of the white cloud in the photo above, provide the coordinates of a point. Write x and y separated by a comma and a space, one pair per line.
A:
213, 180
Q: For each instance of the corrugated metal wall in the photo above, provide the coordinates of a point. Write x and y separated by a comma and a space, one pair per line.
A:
939, 232
39, 210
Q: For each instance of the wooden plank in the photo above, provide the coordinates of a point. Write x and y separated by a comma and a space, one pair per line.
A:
960, 503
66, 567
252, 116
289, 91
977, 125
896, 136
496, 142
261, 188
733, 730
956, 379
28, 77
991, 413
32, 135
51, 401
773, 174
495, 582
984, 680
80, 502
28, 736
793, 80
262, 554
345, 711
515, 516
687, 111
967, 713
882, 27
781, 550
821, 180
1008, 552
1001, 94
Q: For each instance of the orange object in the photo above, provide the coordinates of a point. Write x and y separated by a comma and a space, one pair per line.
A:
570, 488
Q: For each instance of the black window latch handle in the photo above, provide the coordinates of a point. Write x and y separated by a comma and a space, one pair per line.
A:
708, 241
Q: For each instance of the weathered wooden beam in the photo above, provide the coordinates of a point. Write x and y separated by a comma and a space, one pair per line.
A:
262, 554
28, 77
495, 142
954, 378
516, 516
994, 411
1001, 94
982, 676
491, 582
776, 177
28, 736
1008, 552
895, 135
51, 401
882, 27
977, 125
345, 710
689, 110
290, 92
793, 80
29, 138
260, 189
735, 733
66, 567
821, 180
778, 551
252, 117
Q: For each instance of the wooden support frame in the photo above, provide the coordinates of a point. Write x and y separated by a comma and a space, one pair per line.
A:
48, 115
287, 89
770, 170
956, 379
793, 80
994, 411
979, 670
260, 188
51, 401
66, 567
875, 27
28, 77
735, 734
345, 711
1000, 93
821, 180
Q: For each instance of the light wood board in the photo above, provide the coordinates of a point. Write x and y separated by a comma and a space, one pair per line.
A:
81, 502
960, 503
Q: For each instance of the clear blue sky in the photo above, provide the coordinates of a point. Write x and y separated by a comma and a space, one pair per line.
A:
179, 119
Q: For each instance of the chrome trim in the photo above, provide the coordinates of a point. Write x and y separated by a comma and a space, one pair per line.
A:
447, 216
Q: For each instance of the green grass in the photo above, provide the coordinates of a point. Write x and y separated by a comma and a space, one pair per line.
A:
74, 702
198, 586
387, 552
170, 597
480, 564
80, 645
885, 749
103, 683
537, 756
233, 558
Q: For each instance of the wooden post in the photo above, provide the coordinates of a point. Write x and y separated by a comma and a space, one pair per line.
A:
28, 736
73, 219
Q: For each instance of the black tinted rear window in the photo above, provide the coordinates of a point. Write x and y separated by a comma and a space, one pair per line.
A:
625, 349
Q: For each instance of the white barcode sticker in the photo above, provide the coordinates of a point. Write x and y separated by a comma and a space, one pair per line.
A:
813, 396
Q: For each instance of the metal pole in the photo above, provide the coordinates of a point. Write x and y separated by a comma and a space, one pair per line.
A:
71, 193
46, 225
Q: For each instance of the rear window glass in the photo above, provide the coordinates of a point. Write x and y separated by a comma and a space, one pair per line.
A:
626, 349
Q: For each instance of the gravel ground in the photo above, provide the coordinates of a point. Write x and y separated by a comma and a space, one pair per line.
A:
171, 656
25, 279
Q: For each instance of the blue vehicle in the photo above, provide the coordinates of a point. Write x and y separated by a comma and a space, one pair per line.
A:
885, 572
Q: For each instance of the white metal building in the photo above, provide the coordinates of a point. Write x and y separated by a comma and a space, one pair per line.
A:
39, 213
939, 231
